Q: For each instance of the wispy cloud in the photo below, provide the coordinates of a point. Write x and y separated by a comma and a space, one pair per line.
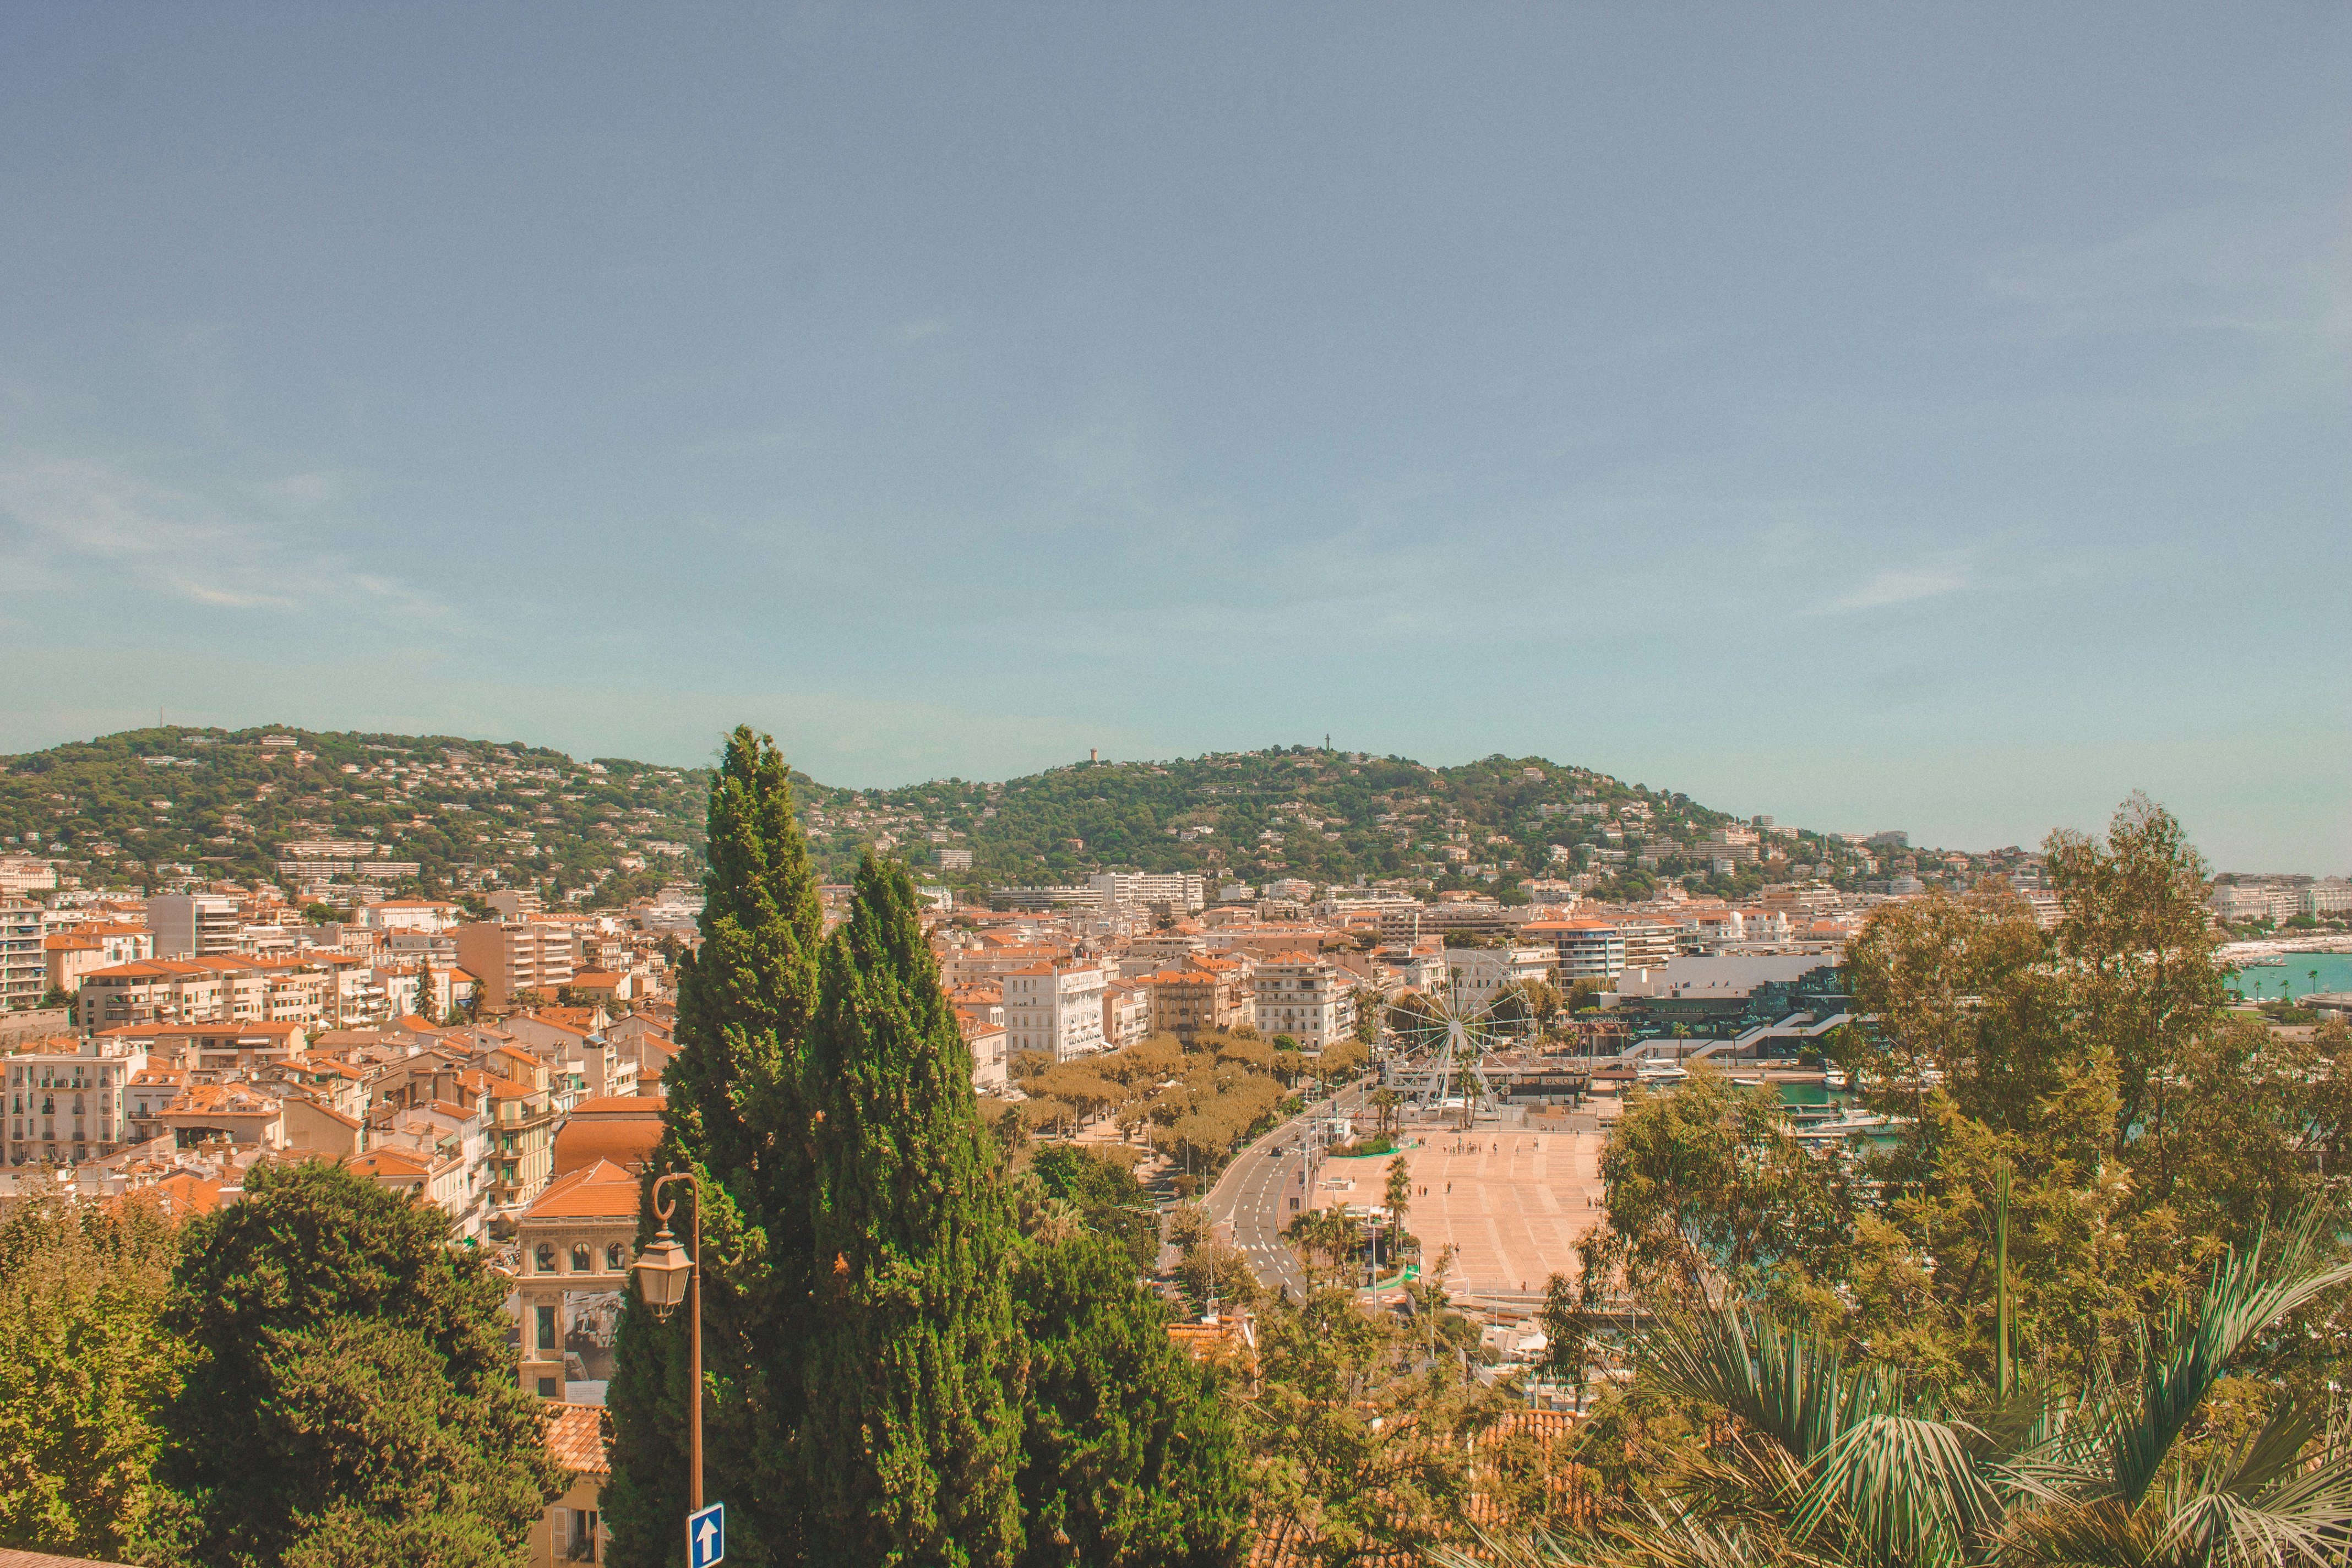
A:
61, 517
916, 331
2268, 254
1897, 585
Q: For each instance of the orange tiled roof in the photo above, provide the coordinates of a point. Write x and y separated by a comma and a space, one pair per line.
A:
575, 1439
598, 1190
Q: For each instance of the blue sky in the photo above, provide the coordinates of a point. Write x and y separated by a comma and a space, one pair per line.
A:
1877, 416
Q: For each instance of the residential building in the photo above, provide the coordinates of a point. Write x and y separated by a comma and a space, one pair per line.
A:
623, 1131
23, 963
424, 915
571, 1530
1649, 943
67, 957
578, 1238
22, 874
990, 1066
69, 1103
1056, 1009
1585, 949
170, 990
226, 1045
1182, 891
523, 1123
2329, 896
236, 1114
512, 956
1304, 997
1127, 1014
1190, 1002
193, 925
2256, 900
585, 1062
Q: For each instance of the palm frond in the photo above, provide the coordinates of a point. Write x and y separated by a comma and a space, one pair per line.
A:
1786, 1383
2305, 1519
2246, 1294
1910, 1485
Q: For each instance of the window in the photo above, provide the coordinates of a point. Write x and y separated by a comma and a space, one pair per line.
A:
545, 1257
582, 1262
547, 1389
547, 1339
576, 1533
613, 1257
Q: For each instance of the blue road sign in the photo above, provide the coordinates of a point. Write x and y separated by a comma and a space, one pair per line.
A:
706, 1536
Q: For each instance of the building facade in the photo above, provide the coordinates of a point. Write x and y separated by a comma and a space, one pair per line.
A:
68, 1106
1056, 1009
509, 957
1301, 995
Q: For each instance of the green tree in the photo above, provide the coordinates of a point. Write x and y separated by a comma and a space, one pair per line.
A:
1705, 1184
1109, 1200
344, 1360
737, 1116
912, 1377
1128, 1456
1362, 1428
2136, 943
84, 1368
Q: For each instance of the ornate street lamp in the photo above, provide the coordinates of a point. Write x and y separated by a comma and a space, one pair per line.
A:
667, 1277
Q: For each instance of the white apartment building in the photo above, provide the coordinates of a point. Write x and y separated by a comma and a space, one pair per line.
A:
1054, 1009
22, 874
1585, 950
68, 1106
2329, 896
1181, 890
1301, 995
193, 925
422, 915
2257, 901
24, 962
1126, 1013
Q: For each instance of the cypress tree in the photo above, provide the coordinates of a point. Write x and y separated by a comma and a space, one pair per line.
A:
737, 1116
913, 1416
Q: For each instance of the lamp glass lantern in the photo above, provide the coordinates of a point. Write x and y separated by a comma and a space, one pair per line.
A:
663, 1270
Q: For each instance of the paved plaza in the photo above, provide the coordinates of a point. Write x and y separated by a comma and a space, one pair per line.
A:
1512, 1203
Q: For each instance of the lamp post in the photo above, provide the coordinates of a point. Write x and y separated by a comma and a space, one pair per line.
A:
665, 1275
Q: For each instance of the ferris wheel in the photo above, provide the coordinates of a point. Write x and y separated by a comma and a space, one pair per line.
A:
1443, 1039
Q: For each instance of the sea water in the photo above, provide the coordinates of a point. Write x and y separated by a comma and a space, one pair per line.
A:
2260, 983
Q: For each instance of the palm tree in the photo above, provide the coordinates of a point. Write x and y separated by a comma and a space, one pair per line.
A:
1840, 1467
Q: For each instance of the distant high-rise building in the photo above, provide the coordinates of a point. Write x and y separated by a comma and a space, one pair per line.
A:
193, 925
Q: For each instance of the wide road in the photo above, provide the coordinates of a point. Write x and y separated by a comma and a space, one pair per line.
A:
1253, 1195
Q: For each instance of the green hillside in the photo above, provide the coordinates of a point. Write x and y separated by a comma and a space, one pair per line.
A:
147, 807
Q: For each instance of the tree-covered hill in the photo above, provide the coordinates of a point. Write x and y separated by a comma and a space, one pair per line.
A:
148, 807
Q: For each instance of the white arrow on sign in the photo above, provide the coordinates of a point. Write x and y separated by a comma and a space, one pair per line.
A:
706, 1536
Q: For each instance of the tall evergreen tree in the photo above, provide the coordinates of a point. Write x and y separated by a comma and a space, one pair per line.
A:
913, 1413
738, 1117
